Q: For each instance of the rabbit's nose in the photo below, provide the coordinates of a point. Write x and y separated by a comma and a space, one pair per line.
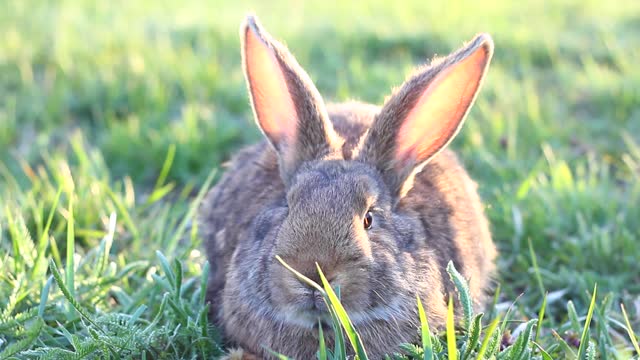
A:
314, 276
318, 300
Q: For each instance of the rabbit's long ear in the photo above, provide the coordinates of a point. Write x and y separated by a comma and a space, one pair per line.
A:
425, 114
287, 106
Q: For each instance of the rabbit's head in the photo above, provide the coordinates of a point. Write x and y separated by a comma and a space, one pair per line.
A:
342, 211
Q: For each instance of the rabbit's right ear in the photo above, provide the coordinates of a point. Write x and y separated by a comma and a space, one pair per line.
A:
425, 114
287, 106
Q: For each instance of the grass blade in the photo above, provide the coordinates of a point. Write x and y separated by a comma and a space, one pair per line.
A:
425, 332
177, 266
487, 338
339, 346
105, 246
507, 315
451, 332
204, 282
41, 263
70, 267
322, 347
541, 316
352, 335
536, 269
494, 303
543, 352
166, 166
300, 275
278, 355
573, 316
630, 331
584, 340
563, 344
126, 215
44, 296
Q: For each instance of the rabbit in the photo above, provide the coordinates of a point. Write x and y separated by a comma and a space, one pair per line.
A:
369, 193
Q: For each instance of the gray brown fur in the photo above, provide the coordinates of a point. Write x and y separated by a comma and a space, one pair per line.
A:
311, 211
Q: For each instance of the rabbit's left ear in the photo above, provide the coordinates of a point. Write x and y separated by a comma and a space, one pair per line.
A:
426, 113
287, 106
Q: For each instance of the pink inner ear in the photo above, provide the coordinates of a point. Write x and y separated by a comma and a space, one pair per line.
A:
437, 115
271, 99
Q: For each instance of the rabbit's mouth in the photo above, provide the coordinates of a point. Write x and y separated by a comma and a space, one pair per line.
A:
308, 318
306, 307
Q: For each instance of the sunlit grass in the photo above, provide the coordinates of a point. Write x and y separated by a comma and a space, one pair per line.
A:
115, 118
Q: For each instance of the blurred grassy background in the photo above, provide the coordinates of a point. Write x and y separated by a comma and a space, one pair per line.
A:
93, 94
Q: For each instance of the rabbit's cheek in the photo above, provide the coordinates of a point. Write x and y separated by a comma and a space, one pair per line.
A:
354, 289
284, 287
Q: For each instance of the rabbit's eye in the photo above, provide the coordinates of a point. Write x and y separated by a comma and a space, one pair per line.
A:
368, 220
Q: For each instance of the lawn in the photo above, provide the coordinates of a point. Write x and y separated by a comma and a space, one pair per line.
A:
115, 117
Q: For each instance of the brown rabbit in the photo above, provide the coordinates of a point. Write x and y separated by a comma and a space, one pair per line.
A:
366, 192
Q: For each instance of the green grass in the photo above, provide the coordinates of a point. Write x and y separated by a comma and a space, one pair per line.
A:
113, 115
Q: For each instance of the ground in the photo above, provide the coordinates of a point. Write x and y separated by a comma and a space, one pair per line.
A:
115, 115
